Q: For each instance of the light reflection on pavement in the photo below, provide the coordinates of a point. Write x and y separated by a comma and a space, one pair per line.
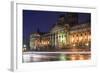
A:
54, 56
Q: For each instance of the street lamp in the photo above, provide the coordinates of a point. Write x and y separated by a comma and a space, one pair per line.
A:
24, 47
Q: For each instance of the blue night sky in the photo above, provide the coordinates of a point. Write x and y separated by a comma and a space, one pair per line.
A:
43, 20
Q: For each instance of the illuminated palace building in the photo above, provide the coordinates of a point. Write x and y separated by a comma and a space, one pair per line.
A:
66, 35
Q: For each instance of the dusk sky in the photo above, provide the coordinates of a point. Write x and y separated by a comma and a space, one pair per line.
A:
43, 20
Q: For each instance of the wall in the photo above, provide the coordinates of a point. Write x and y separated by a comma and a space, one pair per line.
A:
5, 36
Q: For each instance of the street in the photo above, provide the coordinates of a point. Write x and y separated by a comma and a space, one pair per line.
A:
54, 56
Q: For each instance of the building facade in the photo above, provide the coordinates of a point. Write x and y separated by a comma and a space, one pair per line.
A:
64, 35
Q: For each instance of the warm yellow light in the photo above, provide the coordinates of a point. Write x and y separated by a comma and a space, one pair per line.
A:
76, 39
73, 57
48, 42
72, 39
85, 37
81, 57
87, 44
80, 38
44, 43
74, 45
